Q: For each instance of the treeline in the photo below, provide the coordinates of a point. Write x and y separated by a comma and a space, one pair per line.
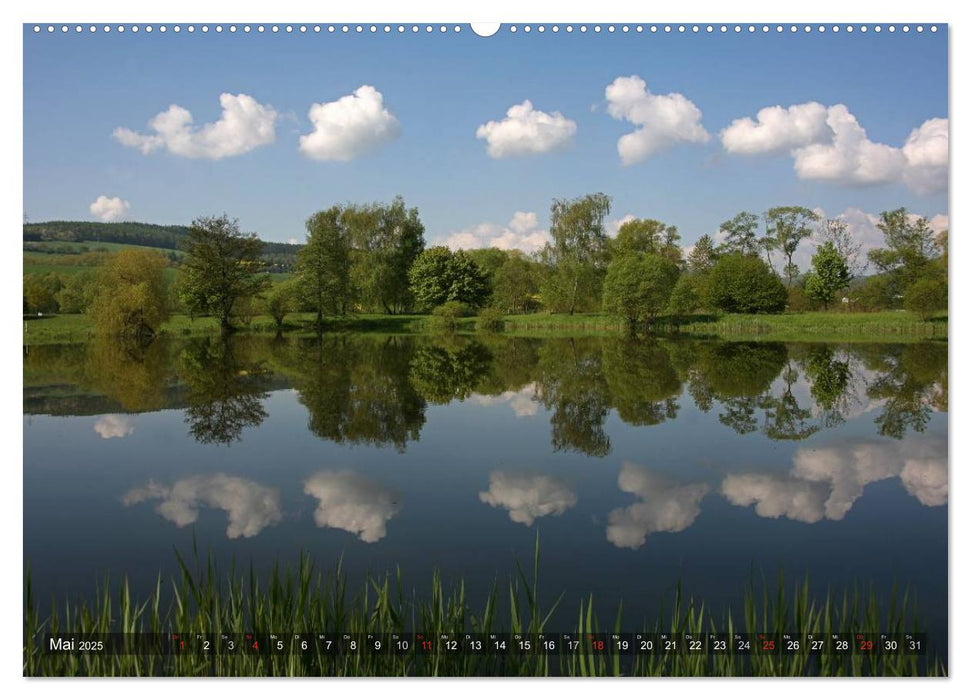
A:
372, 258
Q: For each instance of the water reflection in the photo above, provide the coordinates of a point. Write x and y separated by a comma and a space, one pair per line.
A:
527, 495
825, 482
114, 426
250, 506
225, 389
663, 505
374, 390
351, 502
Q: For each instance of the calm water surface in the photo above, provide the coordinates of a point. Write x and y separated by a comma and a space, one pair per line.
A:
638, 463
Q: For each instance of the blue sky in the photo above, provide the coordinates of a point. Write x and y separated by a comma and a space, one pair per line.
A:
440, 89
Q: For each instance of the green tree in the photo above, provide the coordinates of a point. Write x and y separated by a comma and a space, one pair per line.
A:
911, 245
281, 300
639, 286
40, 293
744, 284
78, 292
925, 297
221, 268
646, 236
702, 256
515, 284
786, 228
684, 298
837, 231
829, 275
132, 294
439, 275
324, 264
741, 234
577, 255
386, 238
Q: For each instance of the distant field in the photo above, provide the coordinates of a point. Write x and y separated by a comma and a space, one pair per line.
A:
60, 247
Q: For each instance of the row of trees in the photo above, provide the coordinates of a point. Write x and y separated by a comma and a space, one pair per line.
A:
372, 257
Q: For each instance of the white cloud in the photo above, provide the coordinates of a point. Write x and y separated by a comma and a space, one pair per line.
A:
522, 233
528, 495
664, 506
351, 502
661, 120
114, 426
926, 151
777, 129
849, 157
829, 144
109, 208
526, 131
351, 126
826, 481
250, 506
292, 241
245, 124
522, 402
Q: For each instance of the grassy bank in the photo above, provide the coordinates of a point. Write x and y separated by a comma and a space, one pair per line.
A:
808, 326
205, 602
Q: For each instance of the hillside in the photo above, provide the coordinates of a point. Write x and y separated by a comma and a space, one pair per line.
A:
79, 237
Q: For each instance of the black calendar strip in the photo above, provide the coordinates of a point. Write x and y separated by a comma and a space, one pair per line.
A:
623, 644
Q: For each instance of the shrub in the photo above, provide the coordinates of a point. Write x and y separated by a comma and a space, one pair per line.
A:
740, 283
926, 297
447, 315
491, 320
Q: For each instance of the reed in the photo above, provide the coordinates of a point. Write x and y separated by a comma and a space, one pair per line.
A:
204, 599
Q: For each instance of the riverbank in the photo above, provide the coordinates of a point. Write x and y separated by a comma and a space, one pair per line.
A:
897, 326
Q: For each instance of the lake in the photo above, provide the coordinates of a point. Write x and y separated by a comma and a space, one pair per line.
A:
638, 463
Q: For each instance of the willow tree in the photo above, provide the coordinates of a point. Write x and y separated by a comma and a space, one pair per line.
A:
131, 301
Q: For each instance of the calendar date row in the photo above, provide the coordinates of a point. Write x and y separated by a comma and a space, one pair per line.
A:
659, 643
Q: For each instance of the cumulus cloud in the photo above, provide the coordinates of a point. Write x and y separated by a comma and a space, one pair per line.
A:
245, 124
826, 481
612, 227
523, 402
351, 502
250, 506
351, 126
526, 131
109, 208
777, 129
661, 120
114, 426
521, 233
829, 144
664, 506
528, 495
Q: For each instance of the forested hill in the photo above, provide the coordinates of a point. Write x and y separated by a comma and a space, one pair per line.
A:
129, 233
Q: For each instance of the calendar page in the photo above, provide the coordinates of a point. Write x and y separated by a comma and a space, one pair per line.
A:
525, 349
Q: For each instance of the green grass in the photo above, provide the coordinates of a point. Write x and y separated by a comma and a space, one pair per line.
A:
899, 326
205, 601
810, 325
